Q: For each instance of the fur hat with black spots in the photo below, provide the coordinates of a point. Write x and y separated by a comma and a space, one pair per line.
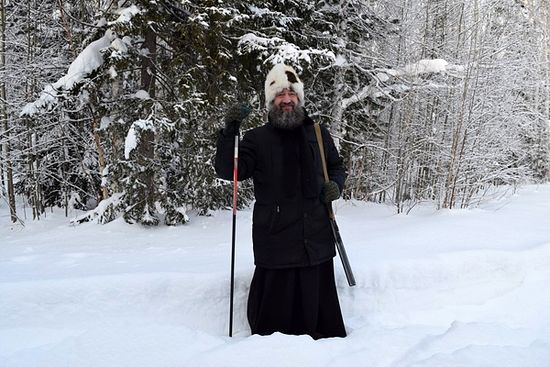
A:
280, 77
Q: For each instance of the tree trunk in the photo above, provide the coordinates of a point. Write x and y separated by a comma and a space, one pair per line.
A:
146, 152
100, 152
3, 185
148, 68
545, 15
4, 116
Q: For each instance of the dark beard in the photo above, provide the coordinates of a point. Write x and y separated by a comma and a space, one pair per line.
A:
286, 120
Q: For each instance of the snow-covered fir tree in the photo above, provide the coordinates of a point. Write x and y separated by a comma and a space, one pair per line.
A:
428, 100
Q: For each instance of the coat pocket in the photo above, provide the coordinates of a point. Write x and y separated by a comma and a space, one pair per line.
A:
275, 215
266, 217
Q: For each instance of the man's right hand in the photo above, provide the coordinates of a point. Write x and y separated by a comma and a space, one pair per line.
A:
234, 117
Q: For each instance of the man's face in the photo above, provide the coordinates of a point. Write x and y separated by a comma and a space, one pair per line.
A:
285, 113
286, 100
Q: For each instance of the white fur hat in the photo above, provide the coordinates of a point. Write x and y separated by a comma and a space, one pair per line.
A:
280, 77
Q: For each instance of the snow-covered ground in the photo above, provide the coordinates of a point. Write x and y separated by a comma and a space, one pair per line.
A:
435, 288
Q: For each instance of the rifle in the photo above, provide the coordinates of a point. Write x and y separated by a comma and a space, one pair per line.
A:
334, 226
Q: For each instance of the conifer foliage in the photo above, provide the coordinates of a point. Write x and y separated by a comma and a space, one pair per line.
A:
114, 107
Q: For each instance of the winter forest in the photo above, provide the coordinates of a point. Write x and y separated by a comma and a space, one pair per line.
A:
113, 107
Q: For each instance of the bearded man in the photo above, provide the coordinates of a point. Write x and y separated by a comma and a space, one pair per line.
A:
293, 289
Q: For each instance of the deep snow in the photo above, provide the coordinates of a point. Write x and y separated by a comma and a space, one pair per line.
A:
435, 289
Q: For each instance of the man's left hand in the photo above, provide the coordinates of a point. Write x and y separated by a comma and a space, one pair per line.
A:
329, 192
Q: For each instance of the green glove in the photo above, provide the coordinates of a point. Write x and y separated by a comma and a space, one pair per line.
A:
329, 192
234, 117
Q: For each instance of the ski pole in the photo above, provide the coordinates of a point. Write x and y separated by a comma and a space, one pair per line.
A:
235, 185
244, 112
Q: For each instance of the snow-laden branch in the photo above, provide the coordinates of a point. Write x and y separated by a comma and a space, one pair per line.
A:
251, 42
103, 212
384, 89
89, 60
277, 50
422, 67
363, 94
132, 137
126, 14
276, 16
289, 53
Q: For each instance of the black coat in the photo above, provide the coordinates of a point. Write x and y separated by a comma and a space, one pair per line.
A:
290, 225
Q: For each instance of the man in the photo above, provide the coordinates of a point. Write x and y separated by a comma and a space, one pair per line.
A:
293, 289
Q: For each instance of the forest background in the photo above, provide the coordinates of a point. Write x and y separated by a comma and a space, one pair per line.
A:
113, 107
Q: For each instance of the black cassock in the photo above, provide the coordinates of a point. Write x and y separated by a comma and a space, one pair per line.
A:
295, 301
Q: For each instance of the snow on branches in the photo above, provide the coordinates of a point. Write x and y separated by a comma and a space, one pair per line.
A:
276, 50
89, 60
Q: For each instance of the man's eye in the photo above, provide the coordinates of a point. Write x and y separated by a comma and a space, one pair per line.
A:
289, 93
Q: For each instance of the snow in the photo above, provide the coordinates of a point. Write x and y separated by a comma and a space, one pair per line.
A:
429, 66
126, 14
86, 62
435, 289
426, 66
340, 60
120, 48
112, 72
47, 98
102, 206
106, 121
130, 143
279, 51
274, 16
259, 12
251, 42
383, 77
132, 136
89, 60
415, 69
290, 53
141, 94
105, 176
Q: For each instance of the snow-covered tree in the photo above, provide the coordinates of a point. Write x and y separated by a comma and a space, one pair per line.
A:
427, 99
